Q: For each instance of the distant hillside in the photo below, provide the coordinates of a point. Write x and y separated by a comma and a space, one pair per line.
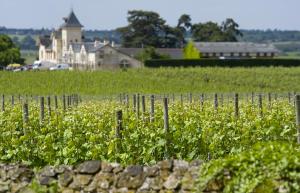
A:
26, 38
270, 36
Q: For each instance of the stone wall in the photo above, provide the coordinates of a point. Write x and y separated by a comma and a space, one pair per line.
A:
95, 176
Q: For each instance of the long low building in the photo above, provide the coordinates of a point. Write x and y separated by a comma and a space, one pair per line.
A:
236, 50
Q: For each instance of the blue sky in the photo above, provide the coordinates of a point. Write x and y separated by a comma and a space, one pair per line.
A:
109, 14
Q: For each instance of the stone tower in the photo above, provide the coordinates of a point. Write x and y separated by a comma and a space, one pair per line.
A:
71, 31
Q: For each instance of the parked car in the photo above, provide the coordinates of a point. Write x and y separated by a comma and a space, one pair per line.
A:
60, 67
42, 65
23, 68
29, 66
12, 67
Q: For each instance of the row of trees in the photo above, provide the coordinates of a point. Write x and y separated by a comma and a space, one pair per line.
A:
26, 43
146, 28
9, 52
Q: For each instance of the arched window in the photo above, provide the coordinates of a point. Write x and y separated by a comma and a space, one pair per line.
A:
124, 63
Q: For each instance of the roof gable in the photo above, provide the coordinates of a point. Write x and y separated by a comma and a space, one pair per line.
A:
71, 21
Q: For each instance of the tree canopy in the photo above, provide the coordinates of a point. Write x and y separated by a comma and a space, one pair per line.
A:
191, 52
150, 53
147, 28
213, 32
9, 53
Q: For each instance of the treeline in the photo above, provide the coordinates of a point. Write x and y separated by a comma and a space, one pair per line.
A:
248, 35
147, 28
26, 39
270, 35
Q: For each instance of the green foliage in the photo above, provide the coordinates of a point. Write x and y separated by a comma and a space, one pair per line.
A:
35, 187
288, 36
147, 28
150, 53
9, 53
267, 167
223, 63
212, 32
152, 80
88, 132
191, 52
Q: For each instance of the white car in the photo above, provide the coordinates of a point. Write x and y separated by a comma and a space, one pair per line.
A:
41, 65
60, 67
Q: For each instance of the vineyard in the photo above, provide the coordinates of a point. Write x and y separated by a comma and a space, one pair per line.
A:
152, 81
144, 129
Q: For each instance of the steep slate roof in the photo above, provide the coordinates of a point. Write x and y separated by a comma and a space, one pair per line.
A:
57, 33
89, 47
45, 41
235, 47
71, 21
174, 53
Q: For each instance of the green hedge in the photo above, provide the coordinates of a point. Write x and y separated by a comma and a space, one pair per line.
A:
222, 63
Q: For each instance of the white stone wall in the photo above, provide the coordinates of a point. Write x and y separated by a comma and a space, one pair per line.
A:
71, 35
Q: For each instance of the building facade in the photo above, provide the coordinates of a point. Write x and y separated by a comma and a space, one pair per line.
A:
236, 50
66, 45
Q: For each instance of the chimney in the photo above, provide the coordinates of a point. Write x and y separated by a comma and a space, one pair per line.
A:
96, 43
105, 42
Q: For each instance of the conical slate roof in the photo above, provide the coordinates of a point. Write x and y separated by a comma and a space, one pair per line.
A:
71, 21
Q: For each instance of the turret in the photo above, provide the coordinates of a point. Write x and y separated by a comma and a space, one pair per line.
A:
71, 31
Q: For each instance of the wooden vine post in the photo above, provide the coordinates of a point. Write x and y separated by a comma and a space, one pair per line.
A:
252, 98
42, 109
138, 106
270, 100
260, 105
119, 117
55, 102
166, 127
152, 108
216, 102
181, 100
49, 105
222, 100
236, 105
25, 113
191, 98
3, 103
202, 102
12, 100
134, 103
297, 101
143, 104
64, 103
127, 102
